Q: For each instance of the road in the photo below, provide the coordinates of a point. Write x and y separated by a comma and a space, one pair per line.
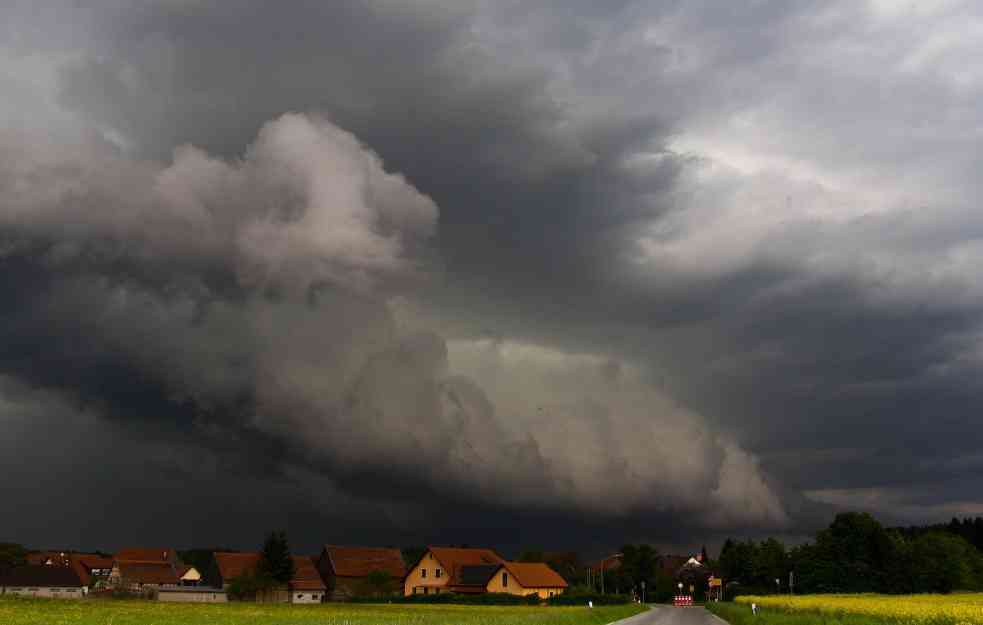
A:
668, 615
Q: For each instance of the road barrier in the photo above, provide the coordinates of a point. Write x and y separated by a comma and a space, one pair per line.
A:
682, 600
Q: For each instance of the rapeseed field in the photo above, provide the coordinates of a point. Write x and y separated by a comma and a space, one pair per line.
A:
18, 611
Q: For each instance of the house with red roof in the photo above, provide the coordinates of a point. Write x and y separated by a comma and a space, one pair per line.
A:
442, 569
526, 578
346, 570
306, 585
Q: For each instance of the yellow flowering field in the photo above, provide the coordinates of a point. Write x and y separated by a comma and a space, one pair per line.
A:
16, 611
958, 608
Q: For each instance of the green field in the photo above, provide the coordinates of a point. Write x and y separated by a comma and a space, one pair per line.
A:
863, 609
15, 611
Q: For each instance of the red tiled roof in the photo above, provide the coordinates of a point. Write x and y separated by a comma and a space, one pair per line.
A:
305, 575
535, 575
145, 555
83, 565
232, 565
453, 558
360, 561
56, 558
147, 572
41, 575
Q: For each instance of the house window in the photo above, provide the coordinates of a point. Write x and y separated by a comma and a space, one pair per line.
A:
426, 590
300, 596
436, 573
423, 573
505, 580
551, 593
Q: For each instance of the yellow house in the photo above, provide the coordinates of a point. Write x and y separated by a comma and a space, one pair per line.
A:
526, 578
444, 569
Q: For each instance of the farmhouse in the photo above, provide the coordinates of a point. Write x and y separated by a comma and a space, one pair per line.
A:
345, 570
526, 578
139, 574
40, 580
91, 568
306, 585
440, 569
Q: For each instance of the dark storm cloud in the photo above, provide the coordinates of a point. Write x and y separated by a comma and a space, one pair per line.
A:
677, 267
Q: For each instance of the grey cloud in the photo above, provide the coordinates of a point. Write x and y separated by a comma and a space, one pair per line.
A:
765, 215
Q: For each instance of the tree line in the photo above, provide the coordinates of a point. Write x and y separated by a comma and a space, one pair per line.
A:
857, 554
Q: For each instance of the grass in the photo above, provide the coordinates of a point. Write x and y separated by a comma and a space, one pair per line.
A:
865, 609
20, 611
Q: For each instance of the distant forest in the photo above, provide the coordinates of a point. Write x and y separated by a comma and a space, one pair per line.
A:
857, 554
971, 530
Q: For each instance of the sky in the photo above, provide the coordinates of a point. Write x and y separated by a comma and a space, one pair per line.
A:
546, 274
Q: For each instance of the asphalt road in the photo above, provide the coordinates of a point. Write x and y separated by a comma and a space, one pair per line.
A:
669, 615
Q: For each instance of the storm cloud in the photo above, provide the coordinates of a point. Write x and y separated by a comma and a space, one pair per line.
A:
659, 271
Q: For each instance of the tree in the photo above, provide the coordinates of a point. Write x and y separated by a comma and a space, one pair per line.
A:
736, 561
11, 555
379, 583
943, 562
275, 561
770, 562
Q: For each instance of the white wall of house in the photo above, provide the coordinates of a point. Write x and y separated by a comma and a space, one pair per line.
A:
184, 596
53, 592
306, 596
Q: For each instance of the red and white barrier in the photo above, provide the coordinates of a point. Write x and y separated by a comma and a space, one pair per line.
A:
682, 600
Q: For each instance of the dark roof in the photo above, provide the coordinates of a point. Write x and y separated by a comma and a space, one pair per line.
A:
147, 572
670, 565
609, 563
41, 575
476, 574
360, 561
157, 554
232, 565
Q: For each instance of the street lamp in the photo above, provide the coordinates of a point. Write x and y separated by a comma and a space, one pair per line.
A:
778, 585
643, 591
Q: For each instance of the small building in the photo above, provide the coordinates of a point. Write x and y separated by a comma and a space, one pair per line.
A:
39, 580
345, 570
526, 578
306, 585
439, 570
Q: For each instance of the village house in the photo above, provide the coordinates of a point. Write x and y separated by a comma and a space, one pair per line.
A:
141, 569
91, 569
440, 569
306, 585
39, 580
526, 578
345, 570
